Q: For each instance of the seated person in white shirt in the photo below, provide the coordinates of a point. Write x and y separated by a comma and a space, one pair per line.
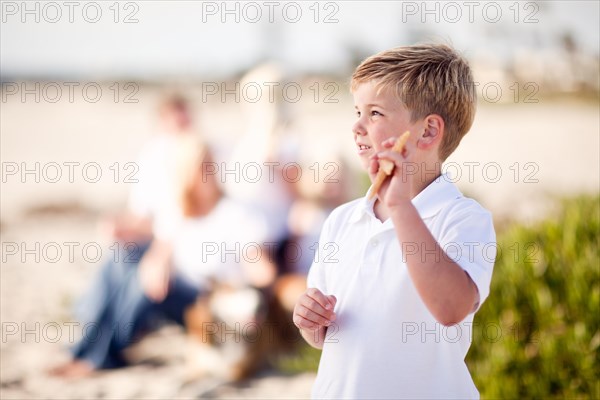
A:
152, 207
177, 267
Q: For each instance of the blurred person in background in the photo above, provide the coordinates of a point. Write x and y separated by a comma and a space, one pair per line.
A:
260, 144
152, 207
164, 278
266, 142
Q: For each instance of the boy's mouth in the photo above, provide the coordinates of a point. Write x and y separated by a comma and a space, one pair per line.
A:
363, 147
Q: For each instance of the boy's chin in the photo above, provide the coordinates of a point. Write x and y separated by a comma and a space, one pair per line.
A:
365, 161
372, 177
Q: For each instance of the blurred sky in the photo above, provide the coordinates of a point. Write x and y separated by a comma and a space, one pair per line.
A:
186, 39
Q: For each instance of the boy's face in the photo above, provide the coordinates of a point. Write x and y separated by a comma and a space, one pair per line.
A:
380, 116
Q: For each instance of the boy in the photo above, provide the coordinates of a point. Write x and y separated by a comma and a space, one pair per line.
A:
392, 305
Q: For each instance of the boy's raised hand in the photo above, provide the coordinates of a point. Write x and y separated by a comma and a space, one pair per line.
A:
314, 310
400, 185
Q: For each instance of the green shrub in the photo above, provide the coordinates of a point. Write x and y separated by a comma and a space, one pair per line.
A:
306, 359
537, 335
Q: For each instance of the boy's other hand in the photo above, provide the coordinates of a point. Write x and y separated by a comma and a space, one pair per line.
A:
314, 310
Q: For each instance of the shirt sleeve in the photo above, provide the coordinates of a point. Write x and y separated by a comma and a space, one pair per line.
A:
316, 274
470, 241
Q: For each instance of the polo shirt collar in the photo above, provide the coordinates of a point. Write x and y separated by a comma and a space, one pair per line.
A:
428, 202
363, 208
436, 196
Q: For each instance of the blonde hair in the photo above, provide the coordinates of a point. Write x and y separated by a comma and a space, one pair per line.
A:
188, 156
428, 79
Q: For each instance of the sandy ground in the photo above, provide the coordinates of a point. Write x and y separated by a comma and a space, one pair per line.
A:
36, 321
559, 140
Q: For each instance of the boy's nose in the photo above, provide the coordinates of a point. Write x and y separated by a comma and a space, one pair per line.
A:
358, 129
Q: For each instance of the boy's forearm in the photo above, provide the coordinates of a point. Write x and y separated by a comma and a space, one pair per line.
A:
445, 288
315, 338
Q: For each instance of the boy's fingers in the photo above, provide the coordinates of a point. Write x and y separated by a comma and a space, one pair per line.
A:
332, 300
389, 142
314, 317
312, 305
303, 323
321, 307
318, 297
392, 156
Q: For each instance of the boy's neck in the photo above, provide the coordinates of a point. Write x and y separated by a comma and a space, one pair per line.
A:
382, 212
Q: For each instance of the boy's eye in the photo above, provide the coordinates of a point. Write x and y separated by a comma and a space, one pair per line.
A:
358, 114
374, 113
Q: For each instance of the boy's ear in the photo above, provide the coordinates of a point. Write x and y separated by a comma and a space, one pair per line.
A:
433, 131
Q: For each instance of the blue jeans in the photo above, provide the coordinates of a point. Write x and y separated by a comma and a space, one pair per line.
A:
116, 311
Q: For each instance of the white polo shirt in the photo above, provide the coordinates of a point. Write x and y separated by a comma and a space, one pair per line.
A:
385, 343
